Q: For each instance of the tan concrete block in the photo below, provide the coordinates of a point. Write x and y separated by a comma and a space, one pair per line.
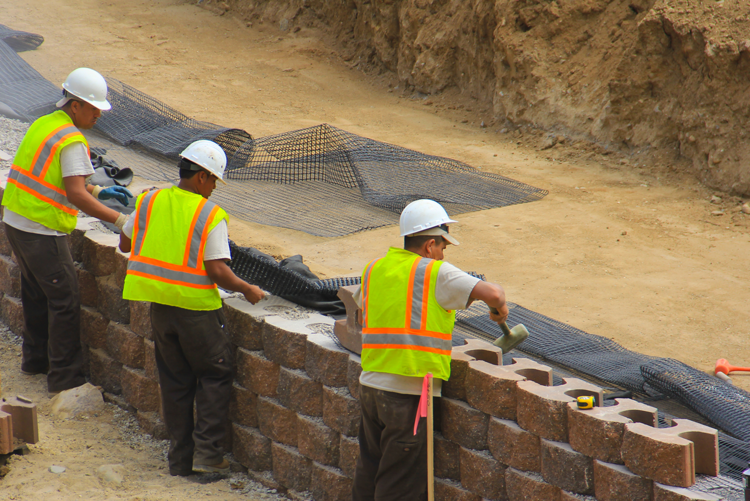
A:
290, 468
243, 406
473, 349
326, 362
329, 484
256, 373
98, 253
245, 328
110, 302
529, 486
614, 482
482, 474
6, 433
543, 410
149, 360
276, 421
349, 331
341, 411
124, 345
598, 432
282, 343
669, 493
566, 468
512, 445
140, 318
251, 448
24, 417
447, 458
463, 424
140, 391
93, 328
75, 240
296, 391
11, 311
10, 277
531, 370
447, 490
492, 389
353, 371
121, 267
317, 441
348, 455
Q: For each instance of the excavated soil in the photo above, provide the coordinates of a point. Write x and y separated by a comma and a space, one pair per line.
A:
628, 244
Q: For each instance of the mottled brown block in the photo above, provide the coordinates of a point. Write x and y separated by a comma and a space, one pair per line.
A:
149, 360
124, 345
482, 474
110, 303
300, 393
245, 330
24, 417
447, 458
329, 484
152, 424
105, 371
317, 441
6, 433
543, 410
121, 268
529, 486
348, 455
669, 493
290, 468
572, 496
566, 468
243, 406
98, 253
140, 391
75, 241
10, 277
614, 482
473, 349
251, 448
5, 248
512, 445
447, 490
598, 432
341, 411
463, 424
354, 370
140, 318
11, 311
492, 389
256, 373
88, 287
93, 328
325, 362
282, 344
276, 421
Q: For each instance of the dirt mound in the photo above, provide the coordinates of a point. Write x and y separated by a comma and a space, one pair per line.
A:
662, 80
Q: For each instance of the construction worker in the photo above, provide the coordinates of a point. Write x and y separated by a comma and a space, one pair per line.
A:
46, 188
408, 300
179, 247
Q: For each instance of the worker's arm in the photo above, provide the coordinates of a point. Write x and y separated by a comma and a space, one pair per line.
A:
80, 195
125, 243
225, 278
494, 296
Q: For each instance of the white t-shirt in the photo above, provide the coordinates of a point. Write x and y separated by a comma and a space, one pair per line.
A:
217, 242
452, 291
74, 161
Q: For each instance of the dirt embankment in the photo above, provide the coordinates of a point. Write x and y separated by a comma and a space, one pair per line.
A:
663, 80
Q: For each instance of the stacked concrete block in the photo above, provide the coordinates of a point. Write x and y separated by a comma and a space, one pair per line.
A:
563, 467
482, 474
492, 389
25, 426
461, 356
7, 443
512, 445
348, 331
615, 482
528, 486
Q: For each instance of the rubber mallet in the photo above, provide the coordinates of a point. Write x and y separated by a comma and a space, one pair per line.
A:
722, 365
511, 337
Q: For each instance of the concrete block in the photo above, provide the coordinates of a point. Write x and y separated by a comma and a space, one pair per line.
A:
251, 448
447, 458
245, 329
5, 248
531, 370
543, 410
152, 424
140, 319
290, 468
566, 468
598, 432
447, 490
121, 267
529, 486
671, 456
572, 496
463, 424
614, 482
296, 391
105, 371
348, 455
243, 406
6, 433
512, 445
341, 411
98, 253
149, 360
140, 391
76, 238
285, 342
11, 311
473, 349
492, 389
110, 302
348, 331
329, 484
24, 418
88, 287
277, 422
669, 493
326, 362
124, 345
353, 371
256, 373
317, 441
10, 277
482, 474
93, 328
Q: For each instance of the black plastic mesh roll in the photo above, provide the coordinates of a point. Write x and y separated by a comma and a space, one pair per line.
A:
20, 41
24, 93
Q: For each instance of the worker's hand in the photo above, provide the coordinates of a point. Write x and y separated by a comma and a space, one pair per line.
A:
119, 193
254, 294
499, 315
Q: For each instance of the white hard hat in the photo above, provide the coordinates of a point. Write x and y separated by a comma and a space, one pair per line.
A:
426, 217
208, 155
88, 85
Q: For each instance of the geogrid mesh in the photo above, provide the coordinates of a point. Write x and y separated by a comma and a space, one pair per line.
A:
24, 93
20, 41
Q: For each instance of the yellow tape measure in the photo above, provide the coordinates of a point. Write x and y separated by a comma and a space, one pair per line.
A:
586, 402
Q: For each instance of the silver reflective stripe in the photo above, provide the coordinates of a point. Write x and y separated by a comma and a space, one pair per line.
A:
33, 184
195, 241
179, 276
365, 291
408, 340
142, 220
47, 148
418, 293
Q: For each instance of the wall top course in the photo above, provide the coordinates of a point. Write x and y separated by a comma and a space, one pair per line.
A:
299, 326
105, 239
266, 307
625, 410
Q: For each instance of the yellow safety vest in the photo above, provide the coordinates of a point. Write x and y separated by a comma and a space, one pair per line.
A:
166, 260
405, 331
35, 187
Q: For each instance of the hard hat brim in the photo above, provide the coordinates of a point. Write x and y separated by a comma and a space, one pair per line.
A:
102, 105
438, 232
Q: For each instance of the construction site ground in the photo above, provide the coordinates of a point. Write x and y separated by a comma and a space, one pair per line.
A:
627, 250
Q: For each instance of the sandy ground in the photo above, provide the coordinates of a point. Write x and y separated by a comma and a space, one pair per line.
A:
626, 251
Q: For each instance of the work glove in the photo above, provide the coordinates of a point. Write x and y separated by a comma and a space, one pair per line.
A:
119, 193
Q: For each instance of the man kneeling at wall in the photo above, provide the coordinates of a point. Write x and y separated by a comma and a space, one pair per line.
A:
179, 247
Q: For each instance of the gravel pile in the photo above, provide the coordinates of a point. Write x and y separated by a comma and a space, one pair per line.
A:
11, 134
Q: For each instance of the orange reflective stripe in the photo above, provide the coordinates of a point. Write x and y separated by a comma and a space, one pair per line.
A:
410, 293
169, 266
204, 235
426, 295
53, 150
405, 347
191, 230
148, 217
413, 332
169, 281
44, 143
57, 205
39, 180
366, 290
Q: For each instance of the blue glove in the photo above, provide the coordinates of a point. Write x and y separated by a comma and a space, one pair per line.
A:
119, 193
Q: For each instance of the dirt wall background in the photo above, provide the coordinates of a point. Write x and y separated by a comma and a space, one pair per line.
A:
664, 81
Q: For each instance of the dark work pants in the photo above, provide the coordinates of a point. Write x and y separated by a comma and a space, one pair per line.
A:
392, 462
51, 308
194, 359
